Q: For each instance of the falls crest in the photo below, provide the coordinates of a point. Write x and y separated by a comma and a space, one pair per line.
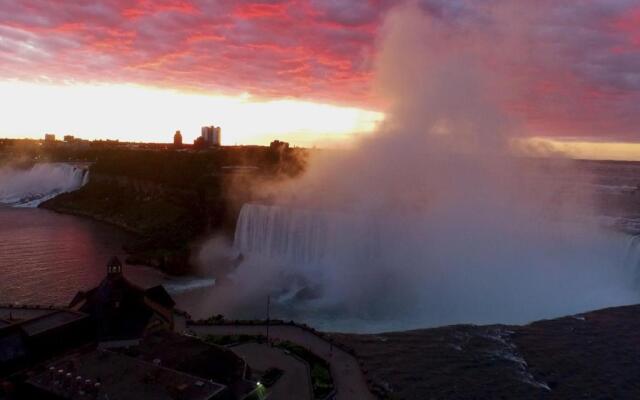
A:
43, 181
303, 236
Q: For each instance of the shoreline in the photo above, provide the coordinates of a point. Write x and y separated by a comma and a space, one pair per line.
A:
132, 257
46, 205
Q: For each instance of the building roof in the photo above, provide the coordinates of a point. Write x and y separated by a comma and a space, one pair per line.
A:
55, 319
116, 307
159, 295
19, 336
191, 356
119, 377
119, 309
12, 345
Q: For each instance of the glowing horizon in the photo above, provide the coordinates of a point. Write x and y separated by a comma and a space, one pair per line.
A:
112, 111
310, 68
136, 113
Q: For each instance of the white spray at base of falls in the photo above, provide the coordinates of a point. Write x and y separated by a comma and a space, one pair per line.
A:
30, 187
417, 271
436, 217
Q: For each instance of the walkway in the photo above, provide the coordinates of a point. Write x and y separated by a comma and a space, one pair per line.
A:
295, 383
347, 376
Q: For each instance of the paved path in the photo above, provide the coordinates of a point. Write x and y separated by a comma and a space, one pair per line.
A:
295, 383
347, 376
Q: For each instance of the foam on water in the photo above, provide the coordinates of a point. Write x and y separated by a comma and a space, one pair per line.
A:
401, 272
182, 285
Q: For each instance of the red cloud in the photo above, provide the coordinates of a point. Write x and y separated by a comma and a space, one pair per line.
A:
142, 8
258, 10
577, 74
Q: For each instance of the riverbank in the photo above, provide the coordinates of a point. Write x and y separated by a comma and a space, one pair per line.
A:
161, 229
170, 200
587, 355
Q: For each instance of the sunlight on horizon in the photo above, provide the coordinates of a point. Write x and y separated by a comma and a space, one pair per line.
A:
585, 149
146, 114
138, 113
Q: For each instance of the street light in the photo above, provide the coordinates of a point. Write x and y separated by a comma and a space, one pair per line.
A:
268, 312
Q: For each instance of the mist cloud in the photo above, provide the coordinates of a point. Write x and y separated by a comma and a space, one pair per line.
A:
433, 220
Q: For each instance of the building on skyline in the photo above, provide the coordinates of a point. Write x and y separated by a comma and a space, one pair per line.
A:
69, 138
212, 135
49, 137
279, 145
177, 139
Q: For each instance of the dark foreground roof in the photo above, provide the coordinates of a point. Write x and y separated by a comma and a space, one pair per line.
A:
159, 295
36, 335
194, 357
119, 309
191, 356
104, 374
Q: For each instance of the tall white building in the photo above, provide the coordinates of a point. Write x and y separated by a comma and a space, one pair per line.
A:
211, 135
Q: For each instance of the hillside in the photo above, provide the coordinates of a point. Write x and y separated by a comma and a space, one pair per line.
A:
171, 199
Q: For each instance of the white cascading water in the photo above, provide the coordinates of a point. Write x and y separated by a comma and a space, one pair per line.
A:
414, 271
302, 236
43, 181
631, 260
441, 220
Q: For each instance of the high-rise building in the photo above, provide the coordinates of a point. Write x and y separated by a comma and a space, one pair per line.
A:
49, 137
217, 136
177, 139
211, 135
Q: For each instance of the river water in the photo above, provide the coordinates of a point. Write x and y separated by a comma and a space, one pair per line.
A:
46, 257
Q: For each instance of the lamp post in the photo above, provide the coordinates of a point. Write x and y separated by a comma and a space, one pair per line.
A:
268, 311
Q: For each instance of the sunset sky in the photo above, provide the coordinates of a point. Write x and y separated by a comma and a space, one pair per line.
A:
303, 70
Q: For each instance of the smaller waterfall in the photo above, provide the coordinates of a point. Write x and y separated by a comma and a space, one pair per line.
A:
30, 187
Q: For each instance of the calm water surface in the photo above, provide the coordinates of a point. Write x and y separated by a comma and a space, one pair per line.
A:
45, 257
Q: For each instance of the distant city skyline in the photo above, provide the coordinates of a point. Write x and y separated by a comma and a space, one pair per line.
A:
143, 114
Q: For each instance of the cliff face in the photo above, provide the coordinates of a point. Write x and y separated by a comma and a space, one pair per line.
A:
171, 199
165, 219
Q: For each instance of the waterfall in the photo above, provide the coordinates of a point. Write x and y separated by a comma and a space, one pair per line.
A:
631, 260
41, 182
437, 269
303, 236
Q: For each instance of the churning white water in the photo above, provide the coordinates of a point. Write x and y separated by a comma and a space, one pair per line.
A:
436, 217
43, 181
409, 271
